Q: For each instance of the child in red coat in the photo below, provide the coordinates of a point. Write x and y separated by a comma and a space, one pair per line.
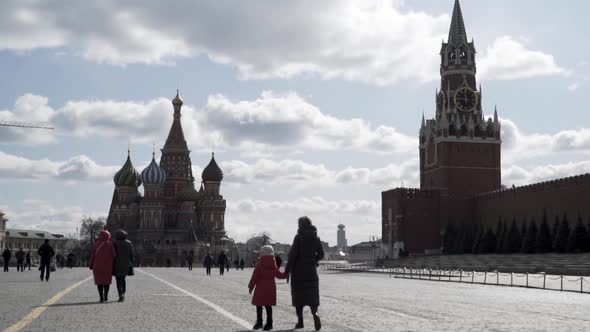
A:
263, 284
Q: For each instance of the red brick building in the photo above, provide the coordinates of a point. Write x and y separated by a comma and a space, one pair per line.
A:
460, 170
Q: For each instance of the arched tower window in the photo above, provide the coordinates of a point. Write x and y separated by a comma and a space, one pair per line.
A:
452, 55
463, 55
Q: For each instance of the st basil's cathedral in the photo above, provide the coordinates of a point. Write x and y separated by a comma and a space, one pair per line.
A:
172, 218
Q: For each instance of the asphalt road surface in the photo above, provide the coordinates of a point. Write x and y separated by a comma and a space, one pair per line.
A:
175, 299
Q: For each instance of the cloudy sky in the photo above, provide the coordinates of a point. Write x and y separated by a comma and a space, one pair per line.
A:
313, 107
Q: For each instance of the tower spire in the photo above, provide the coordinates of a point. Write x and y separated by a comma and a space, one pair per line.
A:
457, 32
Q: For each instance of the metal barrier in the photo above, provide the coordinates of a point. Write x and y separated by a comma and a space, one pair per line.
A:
496, 278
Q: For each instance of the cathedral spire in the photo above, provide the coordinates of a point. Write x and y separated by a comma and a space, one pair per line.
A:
457, 32
175, 138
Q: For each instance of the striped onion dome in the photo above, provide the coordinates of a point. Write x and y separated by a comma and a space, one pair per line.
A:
127, 176
153, 174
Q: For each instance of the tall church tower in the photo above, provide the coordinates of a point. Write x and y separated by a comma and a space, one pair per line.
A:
175, 160
459, 148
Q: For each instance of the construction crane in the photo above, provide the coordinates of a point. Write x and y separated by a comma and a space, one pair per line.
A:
21, 124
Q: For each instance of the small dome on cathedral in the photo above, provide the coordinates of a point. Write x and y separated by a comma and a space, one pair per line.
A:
212, 172
153, 174
188, 194
177, 100
127, 176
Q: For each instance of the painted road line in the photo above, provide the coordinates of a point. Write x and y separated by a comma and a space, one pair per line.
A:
39, 310
217, 308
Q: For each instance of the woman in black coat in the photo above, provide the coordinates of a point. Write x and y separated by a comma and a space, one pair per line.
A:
302, 264
123, 265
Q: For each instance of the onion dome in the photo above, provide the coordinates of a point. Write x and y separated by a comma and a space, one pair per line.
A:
212, 173
188, 194
177, 100
127, 176
153, 174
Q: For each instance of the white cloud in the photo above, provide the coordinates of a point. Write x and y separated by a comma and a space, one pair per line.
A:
375, 41
299, 172
143, 122
519, 176
270, 122
517, 145
31, 109
289, 120
41, 215
246, 217
508, 59
370, 41
79, 168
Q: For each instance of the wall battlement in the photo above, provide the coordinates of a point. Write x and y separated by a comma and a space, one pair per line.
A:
572, 181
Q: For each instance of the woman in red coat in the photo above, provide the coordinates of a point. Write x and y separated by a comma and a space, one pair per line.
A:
101, 263
265, 289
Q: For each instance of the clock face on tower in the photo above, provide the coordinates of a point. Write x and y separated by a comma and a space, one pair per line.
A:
465, 99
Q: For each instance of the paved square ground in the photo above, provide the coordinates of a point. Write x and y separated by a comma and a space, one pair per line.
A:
174, 299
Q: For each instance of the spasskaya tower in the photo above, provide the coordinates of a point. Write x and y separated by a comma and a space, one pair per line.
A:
459, 148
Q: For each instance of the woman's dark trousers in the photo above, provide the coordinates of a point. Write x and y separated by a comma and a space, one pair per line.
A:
314, 312
103, 291
121, 285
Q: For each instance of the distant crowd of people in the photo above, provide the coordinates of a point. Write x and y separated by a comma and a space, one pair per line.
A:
23, 259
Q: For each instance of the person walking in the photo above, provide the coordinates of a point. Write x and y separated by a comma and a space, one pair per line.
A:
6, 254
28, 260
123, 262
101, 263
46, 252
59, 260
70, 260
189, 260
302, 264
263, 284
221, 261
208, 262
227, 264
242, 263
20, 260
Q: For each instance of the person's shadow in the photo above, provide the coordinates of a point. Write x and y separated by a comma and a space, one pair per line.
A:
73, 304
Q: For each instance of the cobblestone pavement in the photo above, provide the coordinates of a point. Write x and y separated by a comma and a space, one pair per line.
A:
174, 299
